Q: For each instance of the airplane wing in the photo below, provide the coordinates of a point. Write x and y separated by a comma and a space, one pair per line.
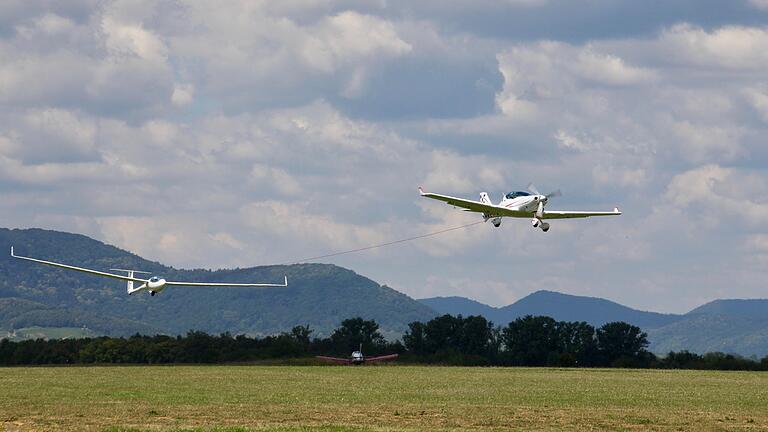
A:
80, 269
555, 214
242, 285
334, 359
475, 206
381, 358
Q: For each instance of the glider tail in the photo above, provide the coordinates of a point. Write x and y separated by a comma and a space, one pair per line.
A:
131, 288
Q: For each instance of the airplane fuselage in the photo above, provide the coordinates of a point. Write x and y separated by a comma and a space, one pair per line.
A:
357, 358
529, 205
154, 285
524, 203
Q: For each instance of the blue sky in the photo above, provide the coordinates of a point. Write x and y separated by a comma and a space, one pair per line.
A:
246, 133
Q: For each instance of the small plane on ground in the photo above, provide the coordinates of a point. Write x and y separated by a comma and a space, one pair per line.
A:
154, 284
518, 205
357, 358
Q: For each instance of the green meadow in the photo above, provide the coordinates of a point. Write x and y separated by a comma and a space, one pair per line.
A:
379, 398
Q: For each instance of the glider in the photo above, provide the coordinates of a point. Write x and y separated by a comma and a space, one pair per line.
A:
154, 284
518, 205
357, 358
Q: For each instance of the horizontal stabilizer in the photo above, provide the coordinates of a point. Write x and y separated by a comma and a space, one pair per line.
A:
132, 271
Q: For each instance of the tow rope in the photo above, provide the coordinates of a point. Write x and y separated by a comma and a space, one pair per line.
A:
380, 245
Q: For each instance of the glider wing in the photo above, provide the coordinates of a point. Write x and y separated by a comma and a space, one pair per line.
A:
80, 269
242, 285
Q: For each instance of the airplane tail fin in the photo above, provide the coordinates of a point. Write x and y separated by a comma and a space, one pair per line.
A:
130, 288
485, 199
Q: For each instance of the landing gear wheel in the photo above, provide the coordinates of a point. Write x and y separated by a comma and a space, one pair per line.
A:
152, 293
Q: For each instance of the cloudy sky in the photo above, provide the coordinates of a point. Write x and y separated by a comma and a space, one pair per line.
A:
223, 134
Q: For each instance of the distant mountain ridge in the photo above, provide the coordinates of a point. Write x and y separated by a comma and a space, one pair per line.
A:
732, 325
747, 308
562, 307
455, 305
318, 295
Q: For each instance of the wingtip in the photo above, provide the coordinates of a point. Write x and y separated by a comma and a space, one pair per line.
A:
286, 281
12, 254
421, 191
616, 210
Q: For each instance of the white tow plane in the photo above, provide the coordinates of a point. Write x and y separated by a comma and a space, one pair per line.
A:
518, 205
154, 284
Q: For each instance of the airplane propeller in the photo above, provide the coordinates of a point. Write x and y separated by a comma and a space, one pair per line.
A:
534, 190
553, 194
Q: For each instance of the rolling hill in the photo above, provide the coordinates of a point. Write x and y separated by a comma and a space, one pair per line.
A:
319, 295
730, 325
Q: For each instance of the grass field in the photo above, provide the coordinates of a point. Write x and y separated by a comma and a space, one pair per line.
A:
277, 398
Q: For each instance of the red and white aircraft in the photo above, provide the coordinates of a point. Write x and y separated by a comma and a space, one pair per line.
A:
154, 284
518, 205
357, 358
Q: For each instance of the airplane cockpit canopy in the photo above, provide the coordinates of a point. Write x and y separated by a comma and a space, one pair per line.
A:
513, 195
154, 279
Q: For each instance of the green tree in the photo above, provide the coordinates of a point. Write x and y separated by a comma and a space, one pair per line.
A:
475, 336
622, 342
441, 334
354, 332
578, 346
681, 360
301, 337
301, 333
199, 347
531, 341
415, 338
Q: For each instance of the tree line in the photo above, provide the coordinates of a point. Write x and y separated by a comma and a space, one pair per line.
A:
447, 339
